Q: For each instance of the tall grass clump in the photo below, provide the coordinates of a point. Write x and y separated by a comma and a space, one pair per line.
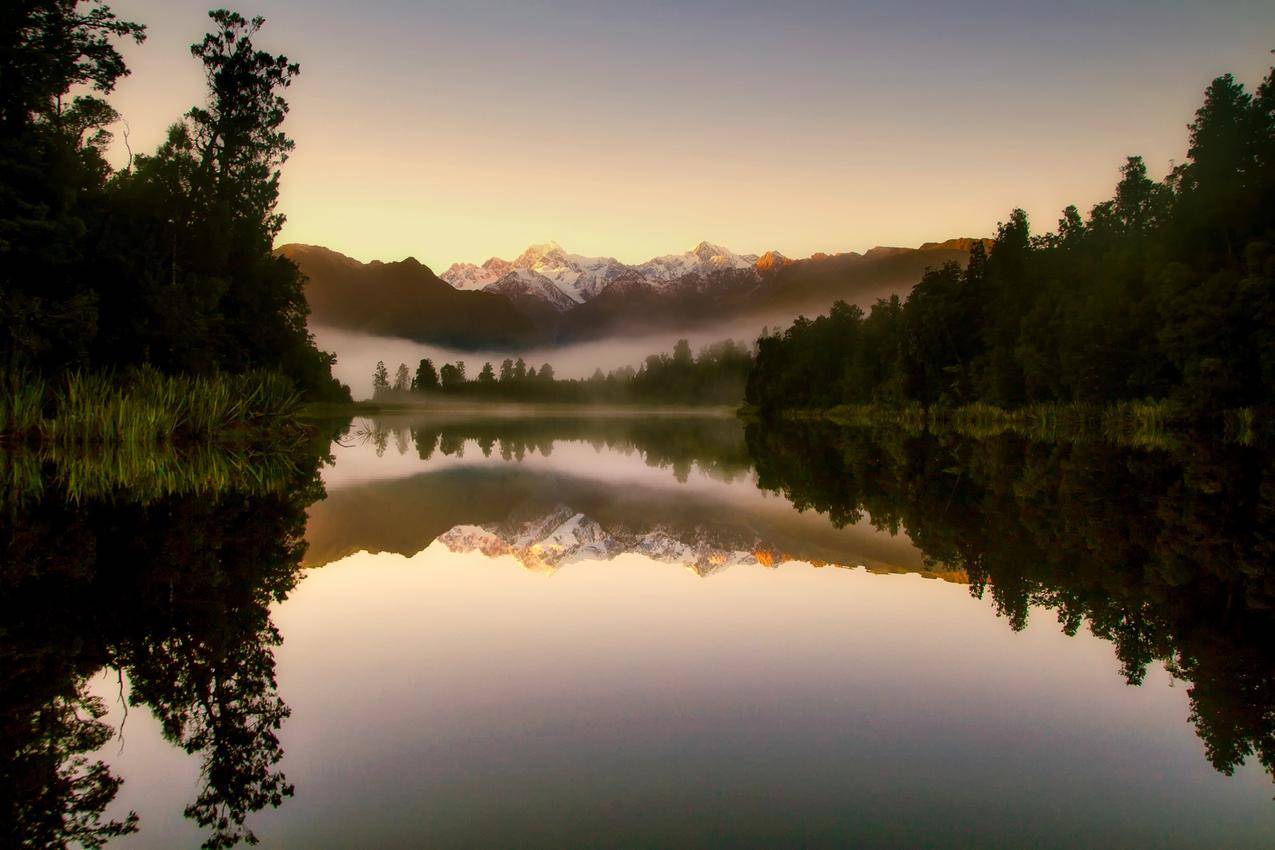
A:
144, 407
22, 398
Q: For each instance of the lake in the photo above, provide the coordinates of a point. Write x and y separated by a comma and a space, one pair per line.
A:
493, 630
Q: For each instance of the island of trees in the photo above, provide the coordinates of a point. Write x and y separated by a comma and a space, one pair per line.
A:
715, 376
165, 263
1165, 293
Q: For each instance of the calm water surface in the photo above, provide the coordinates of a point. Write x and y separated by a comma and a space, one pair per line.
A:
623, 632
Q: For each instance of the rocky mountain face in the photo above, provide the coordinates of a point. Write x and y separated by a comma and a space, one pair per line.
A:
547, 295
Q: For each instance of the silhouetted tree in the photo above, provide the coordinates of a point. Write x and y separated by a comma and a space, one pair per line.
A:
426, 378
168, 262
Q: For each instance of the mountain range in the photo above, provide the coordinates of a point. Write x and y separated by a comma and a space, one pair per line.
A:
563, 536
547, 295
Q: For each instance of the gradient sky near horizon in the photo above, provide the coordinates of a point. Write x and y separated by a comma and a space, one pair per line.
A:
459, 131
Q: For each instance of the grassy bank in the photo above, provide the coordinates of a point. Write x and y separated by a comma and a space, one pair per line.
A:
150, 435
1149, 423
145, 408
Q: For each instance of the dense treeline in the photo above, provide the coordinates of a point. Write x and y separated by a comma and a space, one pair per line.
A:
715, 376
1178, 569
1166, 291
168, 261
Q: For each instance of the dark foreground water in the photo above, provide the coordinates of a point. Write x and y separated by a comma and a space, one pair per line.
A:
644, 631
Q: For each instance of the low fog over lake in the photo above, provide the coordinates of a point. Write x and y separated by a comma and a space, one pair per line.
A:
357, 354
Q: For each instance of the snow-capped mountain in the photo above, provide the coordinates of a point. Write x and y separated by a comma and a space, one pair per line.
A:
522, 283
565, 536
704, 258
576, 276
581, 278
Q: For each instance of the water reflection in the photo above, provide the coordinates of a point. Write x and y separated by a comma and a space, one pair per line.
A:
1167, 554
173, 584
171, 589
556, 491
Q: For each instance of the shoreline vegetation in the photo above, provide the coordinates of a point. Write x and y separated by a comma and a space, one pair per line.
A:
93, 435
714, 377
1154, 313
146, 408
163, 265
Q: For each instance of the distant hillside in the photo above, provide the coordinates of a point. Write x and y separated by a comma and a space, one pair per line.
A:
547, 295
406, 299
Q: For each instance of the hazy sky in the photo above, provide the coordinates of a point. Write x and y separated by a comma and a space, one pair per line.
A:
458, 131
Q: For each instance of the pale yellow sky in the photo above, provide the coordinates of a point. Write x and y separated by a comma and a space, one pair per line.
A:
462, 131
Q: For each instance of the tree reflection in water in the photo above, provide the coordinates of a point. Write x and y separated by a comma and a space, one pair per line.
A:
173, 591
1167, 554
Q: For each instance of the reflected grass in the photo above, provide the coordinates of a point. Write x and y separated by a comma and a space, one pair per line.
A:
147, 435
143, 407
142, 473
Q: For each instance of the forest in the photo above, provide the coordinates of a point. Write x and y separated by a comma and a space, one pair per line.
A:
166, 262
715, 376
1164, 292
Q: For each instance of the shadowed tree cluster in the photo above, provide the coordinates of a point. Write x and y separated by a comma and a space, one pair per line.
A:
1166, 291
713, 377
167, 261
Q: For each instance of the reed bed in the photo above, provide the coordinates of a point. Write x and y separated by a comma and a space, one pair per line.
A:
143, 408
93, 435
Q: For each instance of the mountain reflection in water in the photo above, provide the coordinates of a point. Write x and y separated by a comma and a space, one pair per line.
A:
169, 596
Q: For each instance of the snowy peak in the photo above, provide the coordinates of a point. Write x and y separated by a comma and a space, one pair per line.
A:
704, 258
707, 252
771, 261
542, 545
565, 536
581, 277
520, 283
469, 276
546, 255
577, 276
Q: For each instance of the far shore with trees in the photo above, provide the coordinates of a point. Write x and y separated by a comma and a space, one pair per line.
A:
714, 377
1160, 303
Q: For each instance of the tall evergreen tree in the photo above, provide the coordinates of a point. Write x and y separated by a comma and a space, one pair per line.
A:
426, 378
